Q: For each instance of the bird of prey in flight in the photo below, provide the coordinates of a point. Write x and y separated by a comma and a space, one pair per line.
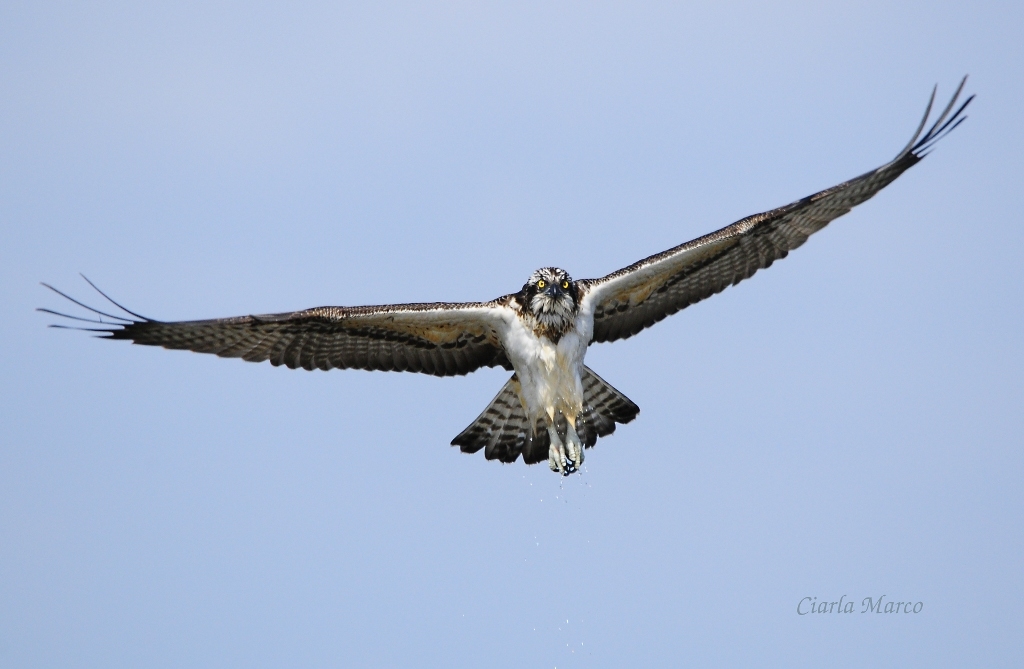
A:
553, 406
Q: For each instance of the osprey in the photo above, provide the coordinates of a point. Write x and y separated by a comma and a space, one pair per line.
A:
553, 406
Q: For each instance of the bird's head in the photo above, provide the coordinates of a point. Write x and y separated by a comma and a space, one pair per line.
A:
551, 297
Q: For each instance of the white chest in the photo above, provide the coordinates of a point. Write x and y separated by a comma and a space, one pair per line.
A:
548, 373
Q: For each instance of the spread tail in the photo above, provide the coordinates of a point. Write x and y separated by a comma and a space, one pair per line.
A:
504, 433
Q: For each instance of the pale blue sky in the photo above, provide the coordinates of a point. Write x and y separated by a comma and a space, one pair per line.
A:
846, 423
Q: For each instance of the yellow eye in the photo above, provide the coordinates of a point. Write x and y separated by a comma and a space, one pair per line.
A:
565, 285
541, 284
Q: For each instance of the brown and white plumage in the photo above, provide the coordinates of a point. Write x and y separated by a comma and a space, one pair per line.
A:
439, 339
553, 406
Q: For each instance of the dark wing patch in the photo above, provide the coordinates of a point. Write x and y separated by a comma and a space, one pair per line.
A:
633, 298
440, 339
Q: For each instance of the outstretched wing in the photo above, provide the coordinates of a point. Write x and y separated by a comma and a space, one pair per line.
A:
633, 298
439, 339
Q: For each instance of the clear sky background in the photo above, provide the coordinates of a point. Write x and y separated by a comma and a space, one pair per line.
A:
847, 423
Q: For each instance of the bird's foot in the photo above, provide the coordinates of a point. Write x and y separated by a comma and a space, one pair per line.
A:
565, 456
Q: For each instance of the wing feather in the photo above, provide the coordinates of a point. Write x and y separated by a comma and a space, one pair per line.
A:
443, 339
635, 297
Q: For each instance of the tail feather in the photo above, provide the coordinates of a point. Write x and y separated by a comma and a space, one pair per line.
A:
536, 447
510, 430
503, 430
603, 407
